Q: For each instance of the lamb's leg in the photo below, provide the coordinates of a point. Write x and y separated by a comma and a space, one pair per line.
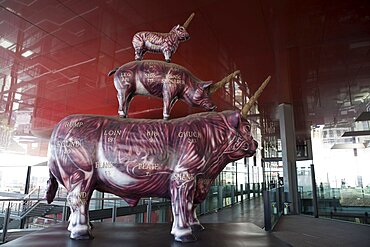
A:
167, 55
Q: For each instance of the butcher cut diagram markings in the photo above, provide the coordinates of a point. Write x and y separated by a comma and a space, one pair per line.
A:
68, 145
112, 134
151, 135
73, 124
190, 136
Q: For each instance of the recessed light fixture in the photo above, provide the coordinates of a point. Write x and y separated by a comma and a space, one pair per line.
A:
364, 116
357, 133
27, 53
5, 43
348, 146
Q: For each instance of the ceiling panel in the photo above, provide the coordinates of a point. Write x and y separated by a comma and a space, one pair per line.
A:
57, 53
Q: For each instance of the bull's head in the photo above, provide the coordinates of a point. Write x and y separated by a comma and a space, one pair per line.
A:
243, 144
180, 31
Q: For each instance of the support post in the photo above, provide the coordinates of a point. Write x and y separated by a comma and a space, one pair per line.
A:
254, 190
163, 212
5, 224
241, 193
203, 207
314, 193
220, 197
233, 189
248, 190
26, 191
289, 153
114, 212
64, 214
149, 211
267, 210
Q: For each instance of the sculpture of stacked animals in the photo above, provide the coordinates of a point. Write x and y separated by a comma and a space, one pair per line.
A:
133, 158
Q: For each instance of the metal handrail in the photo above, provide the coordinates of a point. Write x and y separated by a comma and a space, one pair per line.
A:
64, 198
29, 194
7, 214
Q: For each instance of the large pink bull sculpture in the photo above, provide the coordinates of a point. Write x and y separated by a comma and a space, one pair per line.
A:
169, 81
177, 159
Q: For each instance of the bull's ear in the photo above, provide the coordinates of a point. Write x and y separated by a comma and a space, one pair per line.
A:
234, 119
206, 84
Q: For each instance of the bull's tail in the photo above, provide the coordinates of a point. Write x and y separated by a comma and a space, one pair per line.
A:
113, 71
52, 188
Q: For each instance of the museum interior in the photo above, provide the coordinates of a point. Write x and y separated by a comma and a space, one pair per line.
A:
306, 183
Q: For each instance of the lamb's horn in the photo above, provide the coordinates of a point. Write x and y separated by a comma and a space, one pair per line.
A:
187, 22
253, 99
214, 87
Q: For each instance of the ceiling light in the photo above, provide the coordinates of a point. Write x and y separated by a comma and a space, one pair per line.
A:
5, 43
364, 116
27, 53
348, 146
356, 133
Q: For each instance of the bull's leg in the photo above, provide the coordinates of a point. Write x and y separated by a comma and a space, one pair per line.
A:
79, 225
194, 222
182, 194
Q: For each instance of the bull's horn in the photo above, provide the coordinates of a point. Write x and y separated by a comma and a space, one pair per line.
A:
187, 22
253, 99
214, 87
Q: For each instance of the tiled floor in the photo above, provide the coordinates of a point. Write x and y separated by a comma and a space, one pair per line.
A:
249, 211
153, 235
302, 231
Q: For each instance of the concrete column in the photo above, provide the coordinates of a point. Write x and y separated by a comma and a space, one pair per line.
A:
288, 144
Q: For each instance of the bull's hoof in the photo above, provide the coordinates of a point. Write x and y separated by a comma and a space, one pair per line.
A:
197, 228
186, 238
168, 60
82, 235
122, 116
91, 225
